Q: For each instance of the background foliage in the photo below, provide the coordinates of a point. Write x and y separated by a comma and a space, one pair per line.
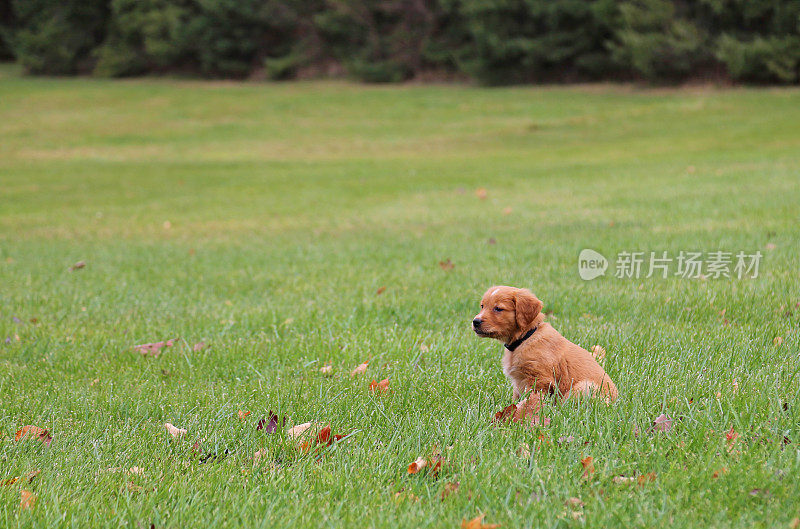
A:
491, 41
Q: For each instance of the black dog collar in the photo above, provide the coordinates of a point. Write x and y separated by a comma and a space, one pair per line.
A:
516, 343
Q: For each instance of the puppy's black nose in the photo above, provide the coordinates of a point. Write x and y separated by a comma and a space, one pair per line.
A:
477, 322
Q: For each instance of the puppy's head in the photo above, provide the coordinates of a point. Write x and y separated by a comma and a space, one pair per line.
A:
506, 313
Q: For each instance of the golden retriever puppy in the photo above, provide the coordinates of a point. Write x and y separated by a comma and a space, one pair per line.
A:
537, 358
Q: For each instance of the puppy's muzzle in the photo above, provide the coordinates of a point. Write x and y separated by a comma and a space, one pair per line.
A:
476, 324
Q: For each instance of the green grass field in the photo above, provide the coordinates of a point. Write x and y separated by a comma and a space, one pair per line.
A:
262, 219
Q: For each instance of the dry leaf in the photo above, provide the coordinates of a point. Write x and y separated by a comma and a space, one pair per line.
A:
481, 193
446, 265
477, 523
27, 499
199, 346
574, 502
417, 465
588, 466
243, 414
327, 369
795, 523
174, 431
662, 423
720, 472
731, 436
359, 369
77, 266
269, 425
379, 387
646, 478
403, 495
598, 353
492, 240
449, 488
297, 431
33, 432
506, 414
380, 290
778, 340
153, 349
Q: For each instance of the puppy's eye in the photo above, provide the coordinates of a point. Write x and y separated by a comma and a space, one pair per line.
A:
498, 309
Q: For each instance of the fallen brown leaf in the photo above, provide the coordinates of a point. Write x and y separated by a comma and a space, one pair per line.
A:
719, 472
588, 466
574, 502
27, 499
327, 369
446, 265
449, 488
380, 290
662, 423
477, 523
77, 266
506, 414
598, 353
297, 431
402, 494
731, 436
174, 431
417, 465
359, 369
243, 414
153, 349
646, 478
33, 432
379, 387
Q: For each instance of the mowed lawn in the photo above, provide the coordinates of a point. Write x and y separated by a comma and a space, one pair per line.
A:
265, 220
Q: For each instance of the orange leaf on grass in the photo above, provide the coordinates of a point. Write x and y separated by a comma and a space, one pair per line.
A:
359, 369
33, 432
380, 290
506, 414
731, 435
379, 387
417, 465
77, 266
481, 193
174, 431
27, 499
477, 523
446, 265
588, 466
449, 488
153, 349
243, 414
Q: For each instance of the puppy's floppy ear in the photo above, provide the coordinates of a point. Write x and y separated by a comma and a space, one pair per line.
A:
527, 307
